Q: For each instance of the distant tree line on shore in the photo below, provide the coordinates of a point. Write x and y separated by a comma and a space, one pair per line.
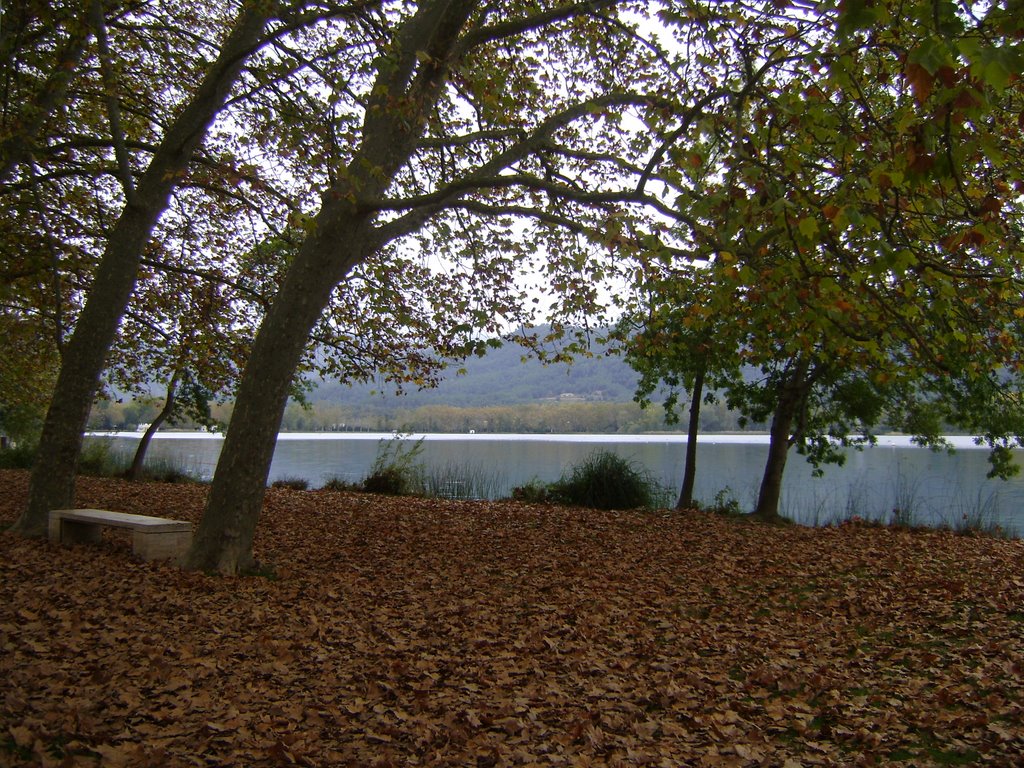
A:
542, 417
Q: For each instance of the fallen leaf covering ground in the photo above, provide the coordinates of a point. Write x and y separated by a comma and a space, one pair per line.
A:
413, 632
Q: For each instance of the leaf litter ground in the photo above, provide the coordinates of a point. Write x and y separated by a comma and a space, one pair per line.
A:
413, 632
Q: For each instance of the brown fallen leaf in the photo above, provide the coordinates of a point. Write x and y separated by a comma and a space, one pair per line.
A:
424, 632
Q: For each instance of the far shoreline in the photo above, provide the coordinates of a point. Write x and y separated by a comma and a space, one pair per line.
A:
957, 442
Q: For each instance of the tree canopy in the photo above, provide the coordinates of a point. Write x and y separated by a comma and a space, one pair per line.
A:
829, 192
468, 141
858, 216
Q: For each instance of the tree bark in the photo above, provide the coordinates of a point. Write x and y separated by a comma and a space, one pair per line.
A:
53, 477
135, 471
340, 237
693, 427
223, 539
791, 400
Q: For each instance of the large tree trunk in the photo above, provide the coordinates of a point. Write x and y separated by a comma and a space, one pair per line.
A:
52, 483
340, 237
135, 470
791, 400
690, 467
223, 540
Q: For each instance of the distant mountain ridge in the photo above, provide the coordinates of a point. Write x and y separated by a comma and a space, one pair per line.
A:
502, 377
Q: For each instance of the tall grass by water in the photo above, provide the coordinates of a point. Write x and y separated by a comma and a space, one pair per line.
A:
981, 514
902, 503
400, 471
605, 480
100, 458
896, 494
464, 481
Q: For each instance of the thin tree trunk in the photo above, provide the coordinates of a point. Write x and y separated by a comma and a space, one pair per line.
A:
135, 471
124, 170
52, 483
690, 467
778, 451
791, 400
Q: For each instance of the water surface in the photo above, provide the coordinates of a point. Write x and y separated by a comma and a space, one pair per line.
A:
928, 487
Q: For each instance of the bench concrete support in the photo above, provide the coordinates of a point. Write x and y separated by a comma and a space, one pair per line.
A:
153, 538
75, 532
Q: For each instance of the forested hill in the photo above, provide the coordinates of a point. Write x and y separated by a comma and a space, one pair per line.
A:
502, 378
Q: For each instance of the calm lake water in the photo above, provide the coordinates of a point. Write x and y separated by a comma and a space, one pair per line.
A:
935, 488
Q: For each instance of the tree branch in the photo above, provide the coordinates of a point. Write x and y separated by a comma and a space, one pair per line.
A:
468, 139
15, 148
503, 30
487, 176
97, 17
212, 277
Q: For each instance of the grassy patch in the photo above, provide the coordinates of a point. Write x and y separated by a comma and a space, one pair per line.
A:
340, 484
533, 492
396, 470
100, 459
21, 456
168, 470
725, 504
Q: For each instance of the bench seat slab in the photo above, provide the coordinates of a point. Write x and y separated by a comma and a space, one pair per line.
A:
153, 538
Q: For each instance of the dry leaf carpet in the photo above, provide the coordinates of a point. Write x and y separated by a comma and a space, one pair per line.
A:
407, 632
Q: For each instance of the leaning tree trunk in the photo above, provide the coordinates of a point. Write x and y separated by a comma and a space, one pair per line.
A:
690, 467
791, 400
52, 484
135, 470
340, 236
223, 539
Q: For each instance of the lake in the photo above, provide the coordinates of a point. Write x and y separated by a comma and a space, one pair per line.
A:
933, 487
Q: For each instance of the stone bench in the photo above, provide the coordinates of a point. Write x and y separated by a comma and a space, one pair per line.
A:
153, 538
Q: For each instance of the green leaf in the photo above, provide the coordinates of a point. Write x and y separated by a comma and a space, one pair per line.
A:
932, 53
856, 15
808, 228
